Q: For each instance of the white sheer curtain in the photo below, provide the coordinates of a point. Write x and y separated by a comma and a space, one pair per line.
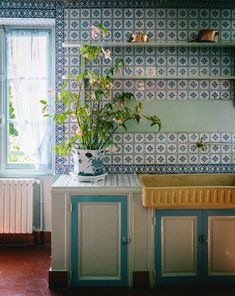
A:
27, 72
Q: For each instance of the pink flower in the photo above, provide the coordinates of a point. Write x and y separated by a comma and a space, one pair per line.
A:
92, 81
93, 96
79, 132
112, 149
118, 121
95, 32
142, 116
120, 104
109, 86
51, 91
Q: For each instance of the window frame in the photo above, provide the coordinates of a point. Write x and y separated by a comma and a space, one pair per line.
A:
22, 169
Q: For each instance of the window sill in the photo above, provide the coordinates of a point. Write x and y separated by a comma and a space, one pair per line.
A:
13, 173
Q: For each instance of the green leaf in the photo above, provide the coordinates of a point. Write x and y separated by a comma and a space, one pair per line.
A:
91, 73
43, 102
103, 29
118, 63
12, 130
79, 76
138, 107
101, 114
137, 118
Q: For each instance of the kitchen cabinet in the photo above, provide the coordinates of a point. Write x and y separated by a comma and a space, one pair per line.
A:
101, 234
195, 246
99, 240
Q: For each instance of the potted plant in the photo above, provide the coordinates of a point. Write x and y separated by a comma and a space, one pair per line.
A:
100, 115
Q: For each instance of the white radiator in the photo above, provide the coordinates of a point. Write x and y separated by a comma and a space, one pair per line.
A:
16, 205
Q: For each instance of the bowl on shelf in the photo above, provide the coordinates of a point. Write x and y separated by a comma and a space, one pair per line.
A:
139, 37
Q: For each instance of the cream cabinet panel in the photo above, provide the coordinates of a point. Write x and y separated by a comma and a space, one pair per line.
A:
221, 245
178, 246
98, 240
195, 246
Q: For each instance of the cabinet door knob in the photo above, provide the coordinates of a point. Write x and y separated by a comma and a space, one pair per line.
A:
203, 239
125, 240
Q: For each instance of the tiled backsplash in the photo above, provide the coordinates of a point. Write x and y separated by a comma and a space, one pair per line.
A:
159, 23
173, 148
146, 152
180, 89
164, 151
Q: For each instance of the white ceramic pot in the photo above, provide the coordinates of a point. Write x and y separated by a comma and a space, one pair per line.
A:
88, 162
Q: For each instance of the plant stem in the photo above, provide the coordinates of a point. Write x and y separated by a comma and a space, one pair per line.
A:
112, 132
78, 98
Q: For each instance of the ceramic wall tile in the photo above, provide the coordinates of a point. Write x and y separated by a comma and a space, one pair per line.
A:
165, 24
148, 152
174, 149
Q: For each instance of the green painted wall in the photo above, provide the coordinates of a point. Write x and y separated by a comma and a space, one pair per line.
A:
190, 116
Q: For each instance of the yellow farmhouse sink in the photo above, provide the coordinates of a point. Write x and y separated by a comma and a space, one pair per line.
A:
188, 190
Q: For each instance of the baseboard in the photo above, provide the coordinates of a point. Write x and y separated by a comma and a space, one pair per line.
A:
141, 279
42, 238
25, 239
58, 279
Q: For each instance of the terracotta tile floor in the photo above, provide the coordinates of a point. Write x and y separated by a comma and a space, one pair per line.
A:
24, 272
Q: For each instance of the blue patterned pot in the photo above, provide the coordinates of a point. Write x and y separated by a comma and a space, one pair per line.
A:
88, 162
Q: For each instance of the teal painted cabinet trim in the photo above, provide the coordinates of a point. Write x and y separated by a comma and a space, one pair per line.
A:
202, 247
75, 200
161, 280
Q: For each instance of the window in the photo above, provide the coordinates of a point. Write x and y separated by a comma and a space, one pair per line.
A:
27, 78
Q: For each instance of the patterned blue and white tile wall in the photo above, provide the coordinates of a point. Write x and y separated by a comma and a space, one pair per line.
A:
163, 152
170, 152
161, 25
173, 148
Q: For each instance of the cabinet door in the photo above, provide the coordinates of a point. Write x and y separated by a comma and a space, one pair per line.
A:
219, 226
99, 241
177, 249
195, 245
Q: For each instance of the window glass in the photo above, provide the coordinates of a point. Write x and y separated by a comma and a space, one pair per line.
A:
28, 133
